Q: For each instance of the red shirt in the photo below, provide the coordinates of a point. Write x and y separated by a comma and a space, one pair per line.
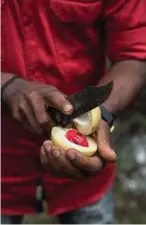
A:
62, 43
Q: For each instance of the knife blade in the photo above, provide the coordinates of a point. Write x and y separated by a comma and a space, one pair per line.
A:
83, 101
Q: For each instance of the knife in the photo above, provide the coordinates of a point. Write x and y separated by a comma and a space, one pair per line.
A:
83, 101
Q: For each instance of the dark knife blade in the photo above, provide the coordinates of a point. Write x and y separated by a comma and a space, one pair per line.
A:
83, 101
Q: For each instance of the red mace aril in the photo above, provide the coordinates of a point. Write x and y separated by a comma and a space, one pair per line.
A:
76, 138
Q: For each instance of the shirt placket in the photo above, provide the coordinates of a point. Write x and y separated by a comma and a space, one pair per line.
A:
30, 44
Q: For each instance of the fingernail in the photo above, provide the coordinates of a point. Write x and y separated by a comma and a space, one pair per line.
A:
67, 108
56, 153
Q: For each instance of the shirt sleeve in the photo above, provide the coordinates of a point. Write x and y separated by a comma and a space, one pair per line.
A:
125, 25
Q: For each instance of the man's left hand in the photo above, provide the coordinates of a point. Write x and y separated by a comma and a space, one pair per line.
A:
72, 163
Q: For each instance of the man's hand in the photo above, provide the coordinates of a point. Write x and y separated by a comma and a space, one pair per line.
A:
27, 102
72, 163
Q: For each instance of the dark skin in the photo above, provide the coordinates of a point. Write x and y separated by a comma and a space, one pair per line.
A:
72, 163
27, 103
28, 100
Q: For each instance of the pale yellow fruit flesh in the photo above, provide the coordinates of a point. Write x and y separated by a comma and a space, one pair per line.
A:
59, 139
88, 123
85, 124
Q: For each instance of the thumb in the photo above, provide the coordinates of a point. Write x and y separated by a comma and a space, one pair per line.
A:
58, 100
104, 142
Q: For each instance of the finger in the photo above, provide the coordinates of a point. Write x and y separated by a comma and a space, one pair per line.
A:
37, 104
27, 126
62, 165
27, 114
22, 119
58, 160
19, 117
58, 100
104, 143
88, 164
15, 111
44, 161
43, 156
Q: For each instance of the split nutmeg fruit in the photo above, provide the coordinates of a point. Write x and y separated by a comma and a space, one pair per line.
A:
79, 138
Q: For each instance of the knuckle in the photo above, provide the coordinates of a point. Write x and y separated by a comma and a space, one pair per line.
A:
79, 160
22, 105
93, 165
43, 122
25, 94
95, 169
33, 94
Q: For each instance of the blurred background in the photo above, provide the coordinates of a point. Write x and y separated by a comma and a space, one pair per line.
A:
129, 140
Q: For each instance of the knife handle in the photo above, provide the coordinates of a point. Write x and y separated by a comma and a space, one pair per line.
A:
58, 117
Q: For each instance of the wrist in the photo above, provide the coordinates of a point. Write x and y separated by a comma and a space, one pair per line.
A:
107, 116
11, 86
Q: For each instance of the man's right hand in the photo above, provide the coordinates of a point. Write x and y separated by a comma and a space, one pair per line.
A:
27, 102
